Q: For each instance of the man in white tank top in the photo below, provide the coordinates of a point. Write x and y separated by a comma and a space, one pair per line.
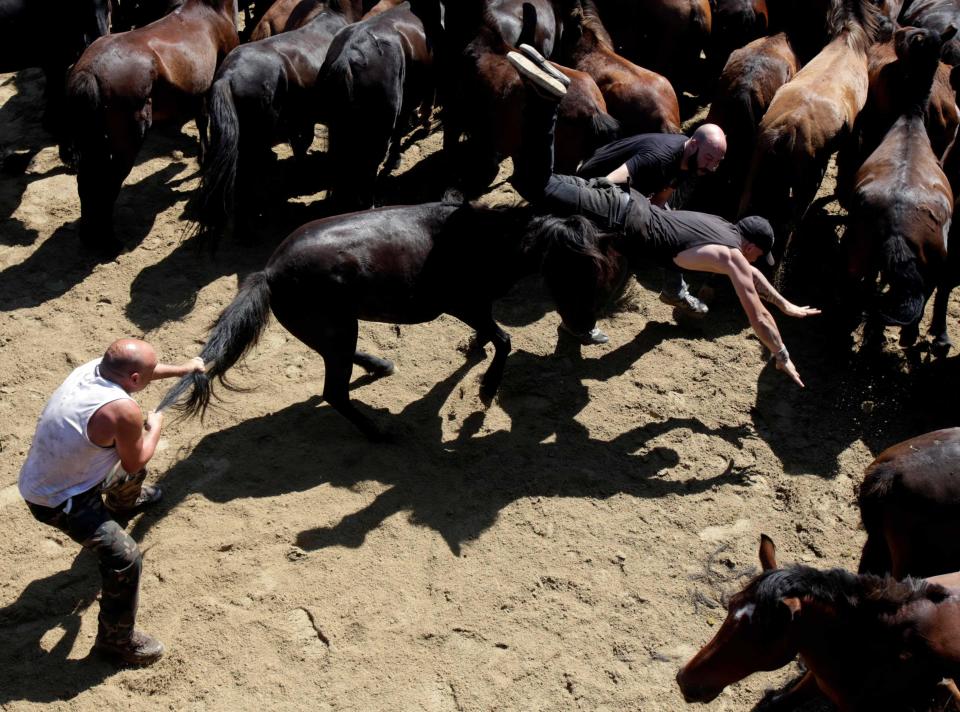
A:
86, 466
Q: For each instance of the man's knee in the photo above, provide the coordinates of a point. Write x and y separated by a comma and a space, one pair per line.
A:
116, 550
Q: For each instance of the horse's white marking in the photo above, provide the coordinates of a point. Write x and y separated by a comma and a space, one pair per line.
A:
747, 611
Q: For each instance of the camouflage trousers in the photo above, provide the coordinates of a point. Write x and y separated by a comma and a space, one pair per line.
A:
90, 523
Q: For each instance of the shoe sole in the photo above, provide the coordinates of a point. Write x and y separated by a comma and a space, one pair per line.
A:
529, 69
116, 655
532, 54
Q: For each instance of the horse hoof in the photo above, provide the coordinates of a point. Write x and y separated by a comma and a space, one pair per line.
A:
383, 369
487, 394
940, 347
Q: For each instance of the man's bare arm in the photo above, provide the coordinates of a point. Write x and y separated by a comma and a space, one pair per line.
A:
123, 420
768, 293
164, 370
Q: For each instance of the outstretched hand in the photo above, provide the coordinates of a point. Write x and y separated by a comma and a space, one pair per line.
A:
799, 312
791, 370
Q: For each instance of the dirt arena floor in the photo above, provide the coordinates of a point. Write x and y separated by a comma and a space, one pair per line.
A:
567, 548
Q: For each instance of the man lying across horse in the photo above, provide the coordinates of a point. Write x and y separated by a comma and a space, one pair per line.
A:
655, 165
685, 239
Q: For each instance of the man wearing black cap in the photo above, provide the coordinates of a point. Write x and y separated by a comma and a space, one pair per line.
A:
685, 239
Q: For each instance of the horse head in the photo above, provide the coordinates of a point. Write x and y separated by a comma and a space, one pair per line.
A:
919, 48
758, 634
579, 264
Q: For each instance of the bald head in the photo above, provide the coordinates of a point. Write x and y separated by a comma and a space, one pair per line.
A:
129, 363
706, 148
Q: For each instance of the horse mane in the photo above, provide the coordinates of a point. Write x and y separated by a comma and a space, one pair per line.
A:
590, 20
861, 21
850, 593
549, 235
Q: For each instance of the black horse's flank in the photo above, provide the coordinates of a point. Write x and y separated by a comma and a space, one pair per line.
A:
404, 265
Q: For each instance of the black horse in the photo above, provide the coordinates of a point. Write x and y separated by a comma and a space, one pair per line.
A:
405, 265
260, 94
50, 34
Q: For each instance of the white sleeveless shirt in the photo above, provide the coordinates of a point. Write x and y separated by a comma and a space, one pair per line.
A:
63, 461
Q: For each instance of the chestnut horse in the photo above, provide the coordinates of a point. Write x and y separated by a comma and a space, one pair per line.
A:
274, 20
641, 100
123, 83
50, 34
902, 206
749, 81
910, 505
868, 643
262, 93
402, 265
487, 105
809, 117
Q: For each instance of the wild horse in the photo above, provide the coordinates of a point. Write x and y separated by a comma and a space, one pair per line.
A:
869, 643
261, 93
123, 83
403, 265
50, 34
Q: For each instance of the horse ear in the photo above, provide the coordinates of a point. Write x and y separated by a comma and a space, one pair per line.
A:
768, 553
948, 33
793, 605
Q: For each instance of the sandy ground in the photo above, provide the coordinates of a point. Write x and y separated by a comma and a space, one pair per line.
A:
565, 549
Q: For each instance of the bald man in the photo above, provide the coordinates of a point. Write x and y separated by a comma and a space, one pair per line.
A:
86, 467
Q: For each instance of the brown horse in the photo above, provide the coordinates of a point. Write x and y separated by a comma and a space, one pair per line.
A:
910, 505
274, 20
749, 81
488, 102
666, 36
402, 265
809, 117
869, 643
902, 206
125, 82
641, 100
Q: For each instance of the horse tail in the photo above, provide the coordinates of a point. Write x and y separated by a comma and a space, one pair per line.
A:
879, 485
903, 302
768, 153
233, 334
214, 199
603, 129
85, 106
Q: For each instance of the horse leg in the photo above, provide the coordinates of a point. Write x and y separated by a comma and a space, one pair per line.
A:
805, 689
875, 558
487, 330
938, 325
203, 121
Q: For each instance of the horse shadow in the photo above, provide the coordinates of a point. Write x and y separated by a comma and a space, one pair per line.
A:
33, 672
455, 487
21, 139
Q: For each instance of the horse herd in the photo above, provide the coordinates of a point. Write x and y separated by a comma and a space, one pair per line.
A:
792, 83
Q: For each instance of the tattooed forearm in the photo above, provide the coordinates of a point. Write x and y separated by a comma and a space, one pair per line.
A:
766, 291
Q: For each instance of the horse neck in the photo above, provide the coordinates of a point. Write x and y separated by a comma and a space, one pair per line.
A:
917, 86
593, 35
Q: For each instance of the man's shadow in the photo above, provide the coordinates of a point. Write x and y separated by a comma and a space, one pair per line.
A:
32, 672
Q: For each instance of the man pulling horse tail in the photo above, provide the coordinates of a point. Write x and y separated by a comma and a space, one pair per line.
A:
686, 239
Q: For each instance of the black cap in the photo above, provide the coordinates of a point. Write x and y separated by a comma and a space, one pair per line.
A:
758, 231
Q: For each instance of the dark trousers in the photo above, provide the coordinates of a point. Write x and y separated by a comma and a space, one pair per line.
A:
90, 523
562, 195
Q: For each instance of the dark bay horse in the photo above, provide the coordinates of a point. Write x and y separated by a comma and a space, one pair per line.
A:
376, 74
734, 24
868, 643
262, 93
749, 81
50, 34
901, 208
910, 505
641, 100
487, 105
123, 83
935, 15
666, 36
402, 265
809, 117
